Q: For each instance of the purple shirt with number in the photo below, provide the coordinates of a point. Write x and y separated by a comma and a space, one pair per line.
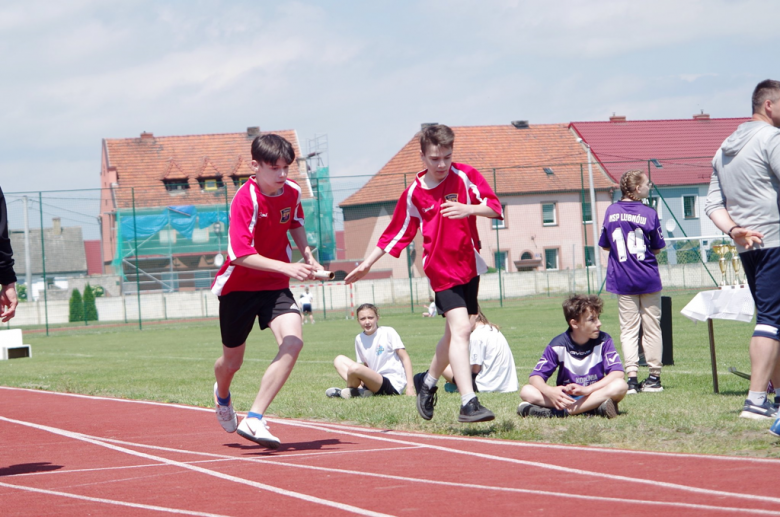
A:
631, 230
579, 364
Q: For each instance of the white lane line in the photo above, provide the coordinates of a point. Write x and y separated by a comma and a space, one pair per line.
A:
567, 470
104, 469
385, 476
495, 441
110, 501
227, 477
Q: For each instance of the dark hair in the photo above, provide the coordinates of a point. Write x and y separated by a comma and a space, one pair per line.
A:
365, 306
483, 319
437, 134
269, 148
578, 304
629, 181
765, 90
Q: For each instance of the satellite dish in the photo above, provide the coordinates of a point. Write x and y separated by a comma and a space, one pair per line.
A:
671, 225
219, 260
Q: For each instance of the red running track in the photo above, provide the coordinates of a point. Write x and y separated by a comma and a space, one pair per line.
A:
65, 454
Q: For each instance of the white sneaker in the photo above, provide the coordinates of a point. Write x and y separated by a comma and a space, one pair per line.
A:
257, 431
226, 415
333, 392
348, 393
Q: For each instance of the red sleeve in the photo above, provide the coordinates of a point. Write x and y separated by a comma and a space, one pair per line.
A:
479, 191
243, 217
403, 226
297, 221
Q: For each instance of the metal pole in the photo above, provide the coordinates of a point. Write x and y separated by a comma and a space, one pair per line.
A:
319, 242
27, 265
137, 274
498, 249
584, 229
43, 265
594, 218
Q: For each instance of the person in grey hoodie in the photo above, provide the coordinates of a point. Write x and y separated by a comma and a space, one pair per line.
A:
744, 202
8, 300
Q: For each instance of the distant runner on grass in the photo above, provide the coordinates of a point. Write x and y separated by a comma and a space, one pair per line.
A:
444, 201
254, 282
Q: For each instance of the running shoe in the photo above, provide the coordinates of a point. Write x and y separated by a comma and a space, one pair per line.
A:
418, 379
349, 393
633, 386
333, 392
607, 409
473, 411
256, 430
762, 412
426, 401
527, 409
651, 385
226, 415
775, 428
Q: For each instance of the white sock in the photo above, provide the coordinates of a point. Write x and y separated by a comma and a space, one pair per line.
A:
430, 381
466, 397
757, 398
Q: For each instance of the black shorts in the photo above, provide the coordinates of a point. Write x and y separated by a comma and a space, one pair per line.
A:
464, 295
238, 310
762, 269
307, 308
387, 388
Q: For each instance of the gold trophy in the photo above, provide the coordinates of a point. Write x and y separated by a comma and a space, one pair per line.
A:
721, 250
736, 263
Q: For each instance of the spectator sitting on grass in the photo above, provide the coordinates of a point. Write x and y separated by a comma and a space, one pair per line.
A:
383, 366
590, 374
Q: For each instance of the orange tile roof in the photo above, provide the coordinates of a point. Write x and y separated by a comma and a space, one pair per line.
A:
145, 161
519, 155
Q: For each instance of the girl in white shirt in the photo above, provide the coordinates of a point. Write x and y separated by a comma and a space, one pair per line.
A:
383, 366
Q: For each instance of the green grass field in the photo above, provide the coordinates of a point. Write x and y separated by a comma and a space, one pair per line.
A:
173, 363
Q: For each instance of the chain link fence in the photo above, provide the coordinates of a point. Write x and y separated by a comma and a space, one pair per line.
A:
150, 254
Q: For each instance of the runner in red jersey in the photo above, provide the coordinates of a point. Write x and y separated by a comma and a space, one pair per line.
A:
254, 283
443, 202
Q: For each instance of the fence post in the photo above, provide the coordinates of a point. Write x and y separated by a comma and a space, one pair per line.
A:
137, 275
498, 249
584, 226
43, 265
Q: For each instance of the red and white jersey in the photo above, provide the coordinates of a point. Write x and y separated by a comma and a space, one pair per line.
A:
259, 225
450, 246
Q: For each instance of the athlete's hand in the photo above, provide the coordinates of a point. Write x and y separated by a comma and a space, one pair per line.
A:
559, 397
357, 273
316, 266
298, 271
746, 238
8, 302
576, 390
455, 210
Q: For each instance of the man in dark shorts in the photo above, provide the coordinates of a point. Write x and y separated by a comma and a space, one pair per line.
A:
306, 300
254, 282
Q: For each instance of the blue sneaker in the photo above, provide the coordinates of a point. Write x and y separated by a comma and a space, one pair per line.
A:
775, 429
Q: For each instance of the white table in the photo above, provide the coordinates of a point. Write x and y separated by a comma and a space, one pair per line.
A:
727, 303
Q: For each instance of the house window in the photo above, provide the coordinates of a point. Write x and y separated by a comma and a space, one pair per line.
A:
174, 185
587, 213
551, 258
500, 223
168, 236
526, 256
501, 260
590, 260
689, 207
210, 185
655, 203
240, 181
548, 214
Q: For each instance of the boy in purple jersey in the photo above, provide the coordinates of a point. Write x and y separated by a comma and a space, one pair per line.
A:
632, 235
590, 374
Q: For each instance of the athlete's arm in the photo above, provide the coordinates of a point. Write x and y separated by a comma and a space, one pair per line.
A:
455, 210
577, 390
742, 236
555, 393
299, 236
365, 266
256, 261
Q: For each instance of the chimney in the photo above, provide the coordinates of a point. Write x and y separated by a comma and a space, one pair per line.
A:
617, 118
56, 226
701, 116
520, 124
427, 124
253, 131
147, 136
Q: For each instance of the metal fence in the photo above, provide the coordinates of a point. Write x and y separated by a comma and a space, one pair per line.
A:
150, 254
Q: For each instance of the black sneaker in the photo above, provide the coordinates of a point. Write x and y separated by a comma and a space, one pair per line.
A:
426, 401
651, 385
753, 412
607, 409
527, 409
418, 379
633, 386
473, 411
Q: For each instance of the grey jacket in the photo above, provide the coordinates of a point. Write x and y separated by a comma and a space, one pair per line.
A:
746, 180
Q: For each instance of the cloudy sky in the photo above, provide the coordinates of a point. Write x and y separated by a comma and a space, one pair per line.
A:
366, 73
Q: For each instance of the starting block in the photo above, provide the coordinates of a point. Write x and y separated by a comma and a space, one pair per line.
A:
11, 346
